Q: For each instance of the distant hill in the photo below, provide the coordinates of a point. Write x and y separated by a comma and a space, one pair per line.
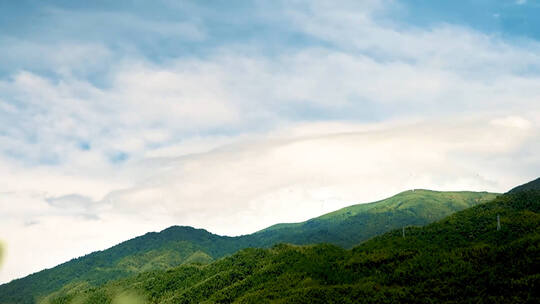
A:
179, 245
464, 258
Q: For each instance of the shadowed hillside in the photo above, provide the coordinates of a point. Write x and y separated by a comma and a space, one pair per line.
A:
532, 185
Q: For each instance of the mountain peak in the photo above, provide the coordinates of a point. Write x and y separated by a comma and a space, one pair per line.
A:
176, 228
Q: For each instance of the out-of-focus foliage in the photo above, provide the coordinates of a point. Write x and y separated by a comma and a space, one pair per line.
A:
1, 253
128, 298
463, 258
180, 245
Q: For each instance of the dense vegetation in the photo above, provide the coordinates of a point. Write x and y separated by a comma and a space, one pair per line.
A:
181, 245
532, 185
464, 258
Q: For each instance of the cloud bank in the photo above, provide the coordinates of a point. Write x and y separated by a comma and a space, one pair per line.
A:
194, 119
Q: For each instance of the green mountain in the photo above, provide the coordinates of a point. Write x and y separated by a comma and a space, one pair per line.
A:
182, 245
464, 258
535, 184
349, 226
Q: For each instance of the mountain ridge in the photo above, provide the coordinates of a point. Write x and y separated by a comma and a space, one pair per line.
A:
466, 257
392, 212
176, 244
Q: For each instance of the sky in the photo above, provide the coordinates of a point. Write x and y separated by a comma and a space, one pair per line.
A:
122, 117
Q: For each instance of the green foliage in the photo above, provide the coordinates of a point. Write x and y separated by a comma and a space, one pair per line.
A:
460, 259
180, 245
198, 257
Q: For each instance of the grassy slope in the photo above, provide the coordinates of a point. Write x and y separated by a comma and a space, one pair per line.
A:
177, 245
460, 259
351, 225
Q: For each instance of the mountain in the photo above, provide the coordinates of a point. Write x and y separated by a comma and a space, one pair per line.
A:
179, 245
464, 258
351, 225
170, 247
532, 185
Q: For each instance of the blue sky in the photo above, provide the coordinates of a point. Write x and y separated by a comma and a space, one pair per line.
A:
235, 115
61, 41
500, 17
165, 30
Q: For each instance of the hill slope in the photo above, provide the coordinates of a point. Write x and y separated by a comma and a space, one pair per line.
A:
178, 245
351, 225
532, 185
464, 258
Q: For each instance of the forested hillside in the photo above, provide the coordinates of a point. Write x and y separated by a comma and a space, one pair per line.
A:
465, 258
532, 185
180, 245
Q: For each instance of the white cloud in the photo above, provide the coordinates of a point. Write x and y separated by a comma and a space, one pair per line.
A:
236, 140
249, 185
62, 57
513, 122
